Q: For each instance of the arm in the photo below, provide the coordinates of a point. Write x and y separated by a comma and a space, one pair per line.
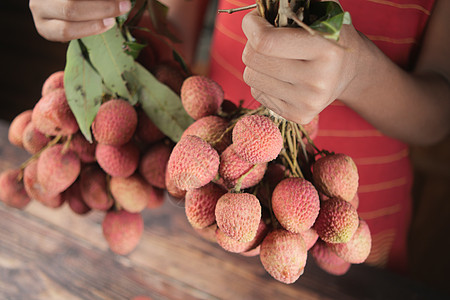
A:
298, 75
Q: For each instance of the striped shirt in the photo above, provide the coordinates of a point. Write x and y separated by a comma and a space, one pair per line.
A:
396, 27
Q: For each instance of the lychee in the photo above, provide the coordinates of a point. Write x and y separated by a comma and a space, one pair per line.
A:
93, 188
84, 149
131, 193
337, 221
72, 196
53, 82
147, 132
233, 170
122, 230
200, 205
283, 255
201, 96
33, 140
336, 176
193, 163
12, 191
156, 198
357, 249
296, 204
310, 237
153, 164
169, 73
53, 116
234, 246
17, 127
172, 188
57, 169
257, 139
238, 215
327, 260
120, 161
115, 123
253, 252
213, 130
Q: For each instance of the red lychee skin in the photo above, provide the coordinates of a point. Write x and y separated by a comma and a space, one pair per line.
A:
120, 161
257, 139
132, 193
337, 221
33, 140
200, 205
232, 167
172, 189
253, 252
208, 233
53, 116
358, 248
84, 149
72, 196
115, 123
146, 130
12, 191
231, 245
327, 260
336, 176
238, 215
156, 198
36, 191
310, 237
18, 125
93, 188
122, 230
212, 130
283, 255
201, 96
170, 73
153, 164
57, 169
296, 204
53, 82
193, 163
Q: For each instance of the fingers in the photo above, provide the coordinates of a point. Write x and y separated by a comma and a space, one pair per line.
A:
63, 31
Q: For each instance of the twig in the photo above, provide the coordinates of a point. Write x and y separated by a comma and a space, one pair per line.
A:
233, 10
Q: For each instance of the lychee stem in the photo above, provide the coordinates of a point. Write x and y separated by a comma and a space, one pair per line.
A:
233, 10
237, 187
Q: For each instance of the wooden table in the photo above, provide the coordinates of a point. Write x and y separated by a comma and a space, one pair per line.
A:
55, 254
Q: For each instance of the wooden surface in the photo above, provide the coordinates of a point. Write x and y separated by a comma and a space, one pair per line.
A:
55, 254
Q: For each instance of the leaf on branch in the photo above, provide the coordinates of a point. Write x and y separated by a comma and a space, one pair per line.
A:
331, 18
160, 103
83, 86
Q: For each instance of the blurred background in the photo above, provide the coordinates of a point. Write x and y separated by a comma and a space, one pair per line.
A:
26, 60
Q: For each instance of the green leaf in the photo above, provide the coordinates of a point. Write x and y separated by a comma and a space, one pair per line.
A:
83, 86
133, 48
160, 103
107, 52
331, 17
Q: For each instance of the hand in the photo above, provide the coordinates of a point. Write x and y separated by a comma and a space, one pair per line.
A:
64, 20
294, 73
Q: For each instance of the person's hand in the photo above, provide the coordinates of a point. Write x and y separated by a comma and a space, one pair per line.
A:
294, 73
64, 20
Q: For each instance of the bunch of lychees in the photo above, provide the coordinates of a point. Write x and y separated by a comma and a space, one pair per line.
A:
253, 180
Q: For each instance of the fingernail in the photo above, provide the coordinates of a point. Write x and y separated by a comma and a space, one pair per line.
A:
109, 22
124, 6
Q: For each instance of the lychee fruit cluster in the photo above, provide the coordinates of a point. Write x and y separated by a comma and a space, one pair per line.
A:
261, 185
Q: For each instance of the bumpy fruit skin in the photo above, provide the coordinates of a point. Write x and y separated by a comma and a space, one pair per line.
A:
12, 191
358, 248
52, 115
57, 169
336, 176
193, 163
53, 82
257, 139
115, 123
283, 255
36, 191
232, 167
84, 149
122, 230
310, 237
153, 164
200, 205
296, 204
170, 73
327, 260
93, 188
172, 188
132, 193
120, 161
72, 196
201, 96
33, 140
17, 127
212, 130
146, 130
337, 221
238, 215
234, 246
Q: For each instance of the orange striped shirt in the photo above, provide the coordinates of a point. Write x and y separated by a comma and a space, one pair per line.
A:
396, 27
